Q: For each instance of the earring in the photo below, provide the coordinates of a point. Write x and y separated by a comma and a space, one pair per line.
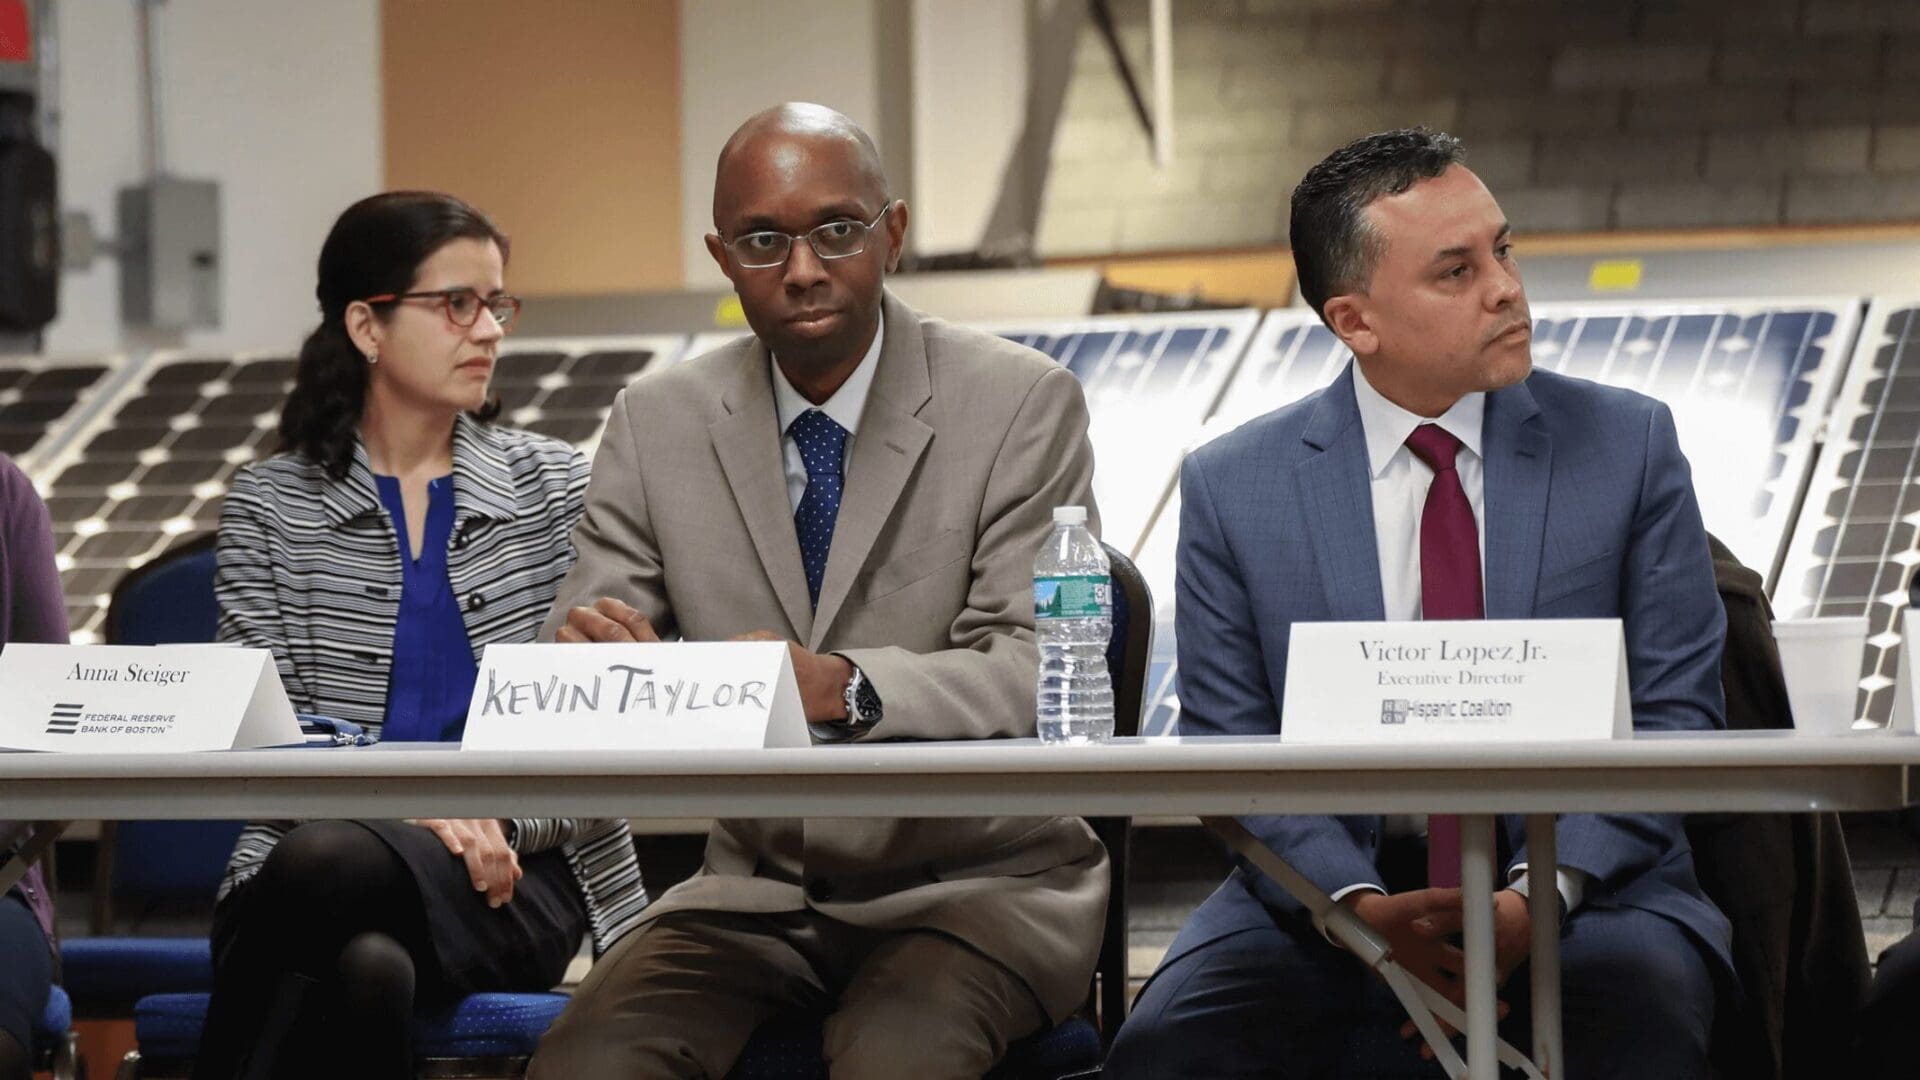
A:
373, 357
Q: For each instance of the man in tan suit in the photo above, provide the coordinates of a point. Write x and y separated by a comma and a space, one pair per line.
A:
870, 485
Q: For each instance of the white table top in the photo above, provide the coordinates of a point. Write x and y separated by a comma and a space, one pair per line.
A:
1747, 771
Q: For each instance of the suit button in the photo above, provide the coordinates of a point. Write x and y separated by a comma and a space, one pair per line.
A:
476, 601
820, 891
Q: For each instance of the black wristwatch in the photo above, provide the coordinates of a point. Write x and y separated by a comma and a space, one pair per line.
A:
863, 701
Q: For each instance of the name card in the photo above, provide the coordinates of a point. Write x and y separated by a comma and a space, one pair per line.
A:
142, 698
653, 696
1457, 681
1906, 688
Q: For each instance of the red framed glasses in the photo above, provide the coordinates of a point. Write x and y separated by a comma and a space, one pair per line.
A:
462, 306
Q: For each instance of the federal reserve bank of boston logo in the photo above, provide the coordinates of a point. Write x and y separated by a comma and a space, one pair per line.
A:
66, 718
1394, 710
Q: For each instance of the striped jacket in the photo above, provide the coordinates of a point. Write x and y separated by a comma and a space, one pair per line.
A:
309, 567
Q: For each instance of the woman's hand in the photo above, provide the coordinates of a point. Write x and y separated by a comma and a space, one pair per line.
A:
491, 863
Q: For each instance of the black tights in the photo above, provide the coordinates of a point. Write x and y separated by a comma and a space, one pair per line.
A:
318, 960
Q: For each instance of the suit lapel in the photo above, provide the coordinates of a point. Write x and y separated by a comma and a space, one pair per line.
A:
1518, 465
1336, 493
887, 447
747, 441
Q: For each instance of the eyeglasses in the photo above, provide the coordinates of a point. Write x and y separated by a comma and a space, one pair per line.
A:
834, 240
462, 306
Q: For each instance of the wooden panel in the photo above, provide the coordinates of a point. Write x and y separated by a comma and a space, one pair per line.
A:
1250, 278
561, 120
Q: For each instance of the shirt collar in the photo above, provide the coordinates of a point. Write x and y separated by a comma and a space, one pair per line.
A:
1387, 425
846, 404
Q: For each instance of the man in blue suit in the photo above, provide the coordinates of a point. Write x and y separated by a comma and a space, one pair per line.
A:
1437, 461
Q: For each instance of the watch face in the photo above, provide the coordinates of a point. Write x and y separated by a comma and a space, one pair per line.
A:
863, 703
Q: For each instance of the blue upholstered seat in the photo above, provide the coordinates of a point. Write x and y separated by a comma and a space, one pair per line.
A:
168, 1026
54, 1046
487, 1025
113, 972
55, 1020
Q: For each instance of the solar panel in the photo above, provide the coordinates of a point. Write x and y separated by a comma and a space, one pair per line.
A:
153, 464
1855, 545
1747, 382
40, 395
563, 387
1150, 381
1160, 700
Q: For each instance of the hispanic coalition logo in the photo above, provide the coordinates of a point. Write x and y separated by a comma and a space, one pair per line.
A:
1394, 710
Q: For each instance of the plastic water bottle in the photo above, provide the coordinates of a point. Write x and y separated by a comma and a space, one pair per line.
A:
1073, 616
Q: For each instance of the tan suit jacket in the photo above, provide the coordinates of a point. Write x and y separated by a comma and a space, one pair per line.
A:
966, 445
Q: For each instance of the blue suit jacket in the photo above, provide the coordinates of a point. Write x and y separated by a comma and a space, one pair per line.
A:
1590, 513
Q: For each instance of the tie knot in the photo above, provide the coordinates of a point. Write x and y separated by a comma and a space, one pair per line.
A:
822, 442
1433, 444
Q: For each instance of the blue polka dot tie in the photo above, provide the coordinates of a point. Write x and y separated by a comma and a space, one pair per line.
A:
823, 446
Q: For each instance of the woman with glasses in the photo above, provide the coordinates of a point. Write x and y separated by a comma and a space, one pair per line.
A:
395, 534
30, 610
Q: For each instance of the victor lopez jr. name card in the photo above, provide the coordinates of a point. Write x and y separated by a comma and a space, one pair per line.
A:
1456, 681
652, 696
141, 699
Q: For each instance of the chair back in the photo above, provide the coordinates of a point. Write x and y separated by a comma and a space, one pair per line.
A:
1131, 646
168, 600
1784, 881
1128, 651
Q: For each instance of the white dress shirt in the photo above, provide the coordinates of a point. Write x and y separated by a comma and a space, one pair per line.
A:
845, 407
1399, 487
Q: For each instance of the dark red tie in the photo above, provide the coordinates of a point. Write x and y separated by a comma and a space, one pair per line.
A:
1449, 589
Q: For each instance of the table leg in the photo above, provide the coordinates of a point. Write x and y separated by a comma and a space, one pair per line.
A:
1543, 904
32, 840
1476, 884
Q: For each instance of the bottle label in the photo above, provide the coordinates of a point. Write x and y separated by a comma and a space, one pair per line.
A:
1077, 597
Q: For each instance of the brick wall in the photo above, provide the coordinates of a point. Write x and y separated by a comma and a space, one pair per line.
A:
1580, 114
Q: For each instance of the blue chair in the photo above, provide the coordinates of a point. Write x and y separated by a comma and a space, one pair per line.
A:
56, 1049
165, 982
168, 600
789, 1048
488, 1035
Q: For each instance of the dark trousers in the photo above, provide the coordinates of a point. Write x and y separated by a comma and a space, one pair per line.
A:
681, 997
26, 975
1886, 1038
1246, 992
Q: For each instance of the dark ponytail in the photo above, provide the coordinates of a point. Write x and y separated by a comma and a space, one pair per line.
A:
375, 247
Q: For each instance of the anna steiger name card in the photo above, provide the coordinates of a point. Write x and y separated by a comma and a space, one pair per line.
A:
1456, 681
654, 696
141, 698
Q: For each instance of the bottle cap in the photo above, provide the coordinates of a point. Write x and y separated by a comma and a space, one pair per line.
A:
1069, 515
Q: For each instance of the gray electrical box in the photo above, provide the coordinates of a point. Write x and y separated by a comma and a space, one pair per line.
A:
169, 241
